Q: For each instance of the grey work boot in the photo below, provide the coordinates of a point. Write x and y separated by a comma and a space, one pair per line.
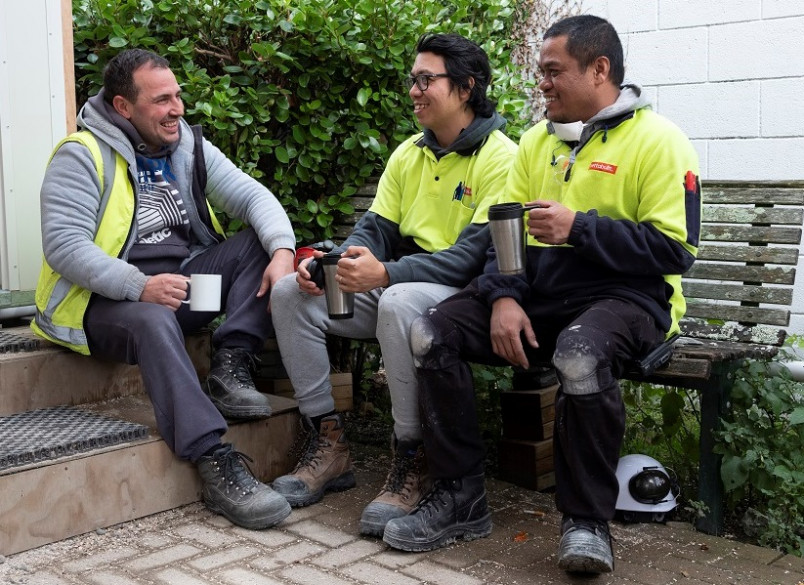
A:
585, 546
324, 466
230, 489
452, 509
230, 387
404, 486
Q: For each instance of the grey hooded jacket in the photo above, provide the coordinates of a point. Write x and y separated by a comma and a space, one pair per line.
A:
71, 203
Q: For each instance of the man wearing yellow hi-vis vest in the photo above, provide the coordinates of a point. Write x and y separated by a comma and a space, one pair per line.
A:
126, 218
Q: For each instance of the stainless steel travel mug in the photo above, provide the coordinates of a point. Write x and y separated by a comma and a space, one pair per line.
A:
507, 226
340, 305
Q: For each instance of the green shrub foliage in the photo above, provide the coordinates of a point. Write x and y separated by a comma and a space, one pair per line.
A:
763, 461
307, 97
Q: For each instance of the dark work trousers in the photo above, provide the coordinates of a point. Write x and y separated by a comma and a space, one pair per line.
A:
152, 336
589, 346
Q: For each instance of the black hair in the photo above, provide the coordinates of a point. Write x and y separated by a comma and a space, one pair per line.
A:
118, 75
463, 59
590, 37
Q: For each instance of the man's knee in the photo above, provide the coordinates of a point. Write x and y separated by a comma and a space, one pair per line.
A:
429, 336
582, 367
283, 287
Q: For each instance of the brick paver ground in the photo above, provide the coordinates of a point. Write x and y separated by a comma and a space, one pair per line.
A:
321, 545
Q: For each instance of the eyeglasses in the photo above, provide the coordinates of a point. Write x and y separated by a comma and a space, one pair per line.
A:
422, 80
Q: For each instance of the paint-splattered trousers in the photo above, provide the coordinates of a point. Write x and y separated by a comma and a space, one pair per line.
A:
588, 344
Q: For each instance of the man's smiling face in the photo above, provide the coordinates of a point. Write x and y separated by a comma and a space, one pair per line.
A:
156, 111
441, 103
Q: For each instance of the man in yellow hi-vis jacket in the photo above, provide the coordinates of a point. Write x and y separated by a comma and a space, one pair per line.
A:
126, 217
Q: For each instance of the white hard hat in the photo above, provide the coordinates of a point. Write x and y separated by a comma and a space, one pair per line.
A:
647, 490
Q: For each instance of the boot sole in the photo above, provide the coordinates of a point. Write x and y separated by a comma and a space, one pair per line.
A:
237, 412
253, 523
339, 484
467, 531
584, 564
241, 413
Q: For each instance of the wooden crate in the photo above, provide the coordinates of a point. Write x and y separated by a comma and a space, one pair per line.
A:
528, 415
528, 464
341, 389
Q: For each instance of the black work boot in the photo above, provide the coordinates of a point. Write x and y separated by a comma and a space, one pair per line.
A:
230, 387
585, 546
230, 489
452, 509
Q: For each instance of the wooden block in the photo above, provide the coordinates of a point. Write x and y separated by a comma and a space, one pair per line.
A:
527, 464
341, 389
528, 415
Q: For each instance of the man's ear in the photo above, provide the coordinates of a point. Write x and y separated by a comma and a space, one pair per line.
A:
467, 90
122, 106
601, 68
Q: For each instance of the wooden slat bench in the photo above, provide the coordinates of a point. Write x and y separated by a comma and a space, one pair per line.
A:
739, 296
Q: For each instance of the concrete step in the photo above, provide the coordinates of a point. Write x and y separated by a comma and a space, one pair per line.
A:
52, 500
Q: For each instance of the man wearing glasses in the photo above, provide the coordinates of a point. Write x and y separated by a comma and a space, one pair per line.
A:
617, 224
424, 237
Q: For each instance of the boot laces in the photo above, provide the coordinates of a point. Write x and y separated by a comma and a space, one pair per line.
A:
239, 363
403, 474
311, 450
434, 500
236, 472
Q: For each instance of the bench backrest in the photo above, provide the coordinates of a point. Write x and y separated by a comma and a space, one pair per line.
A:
741, 286
746, 266
361, 201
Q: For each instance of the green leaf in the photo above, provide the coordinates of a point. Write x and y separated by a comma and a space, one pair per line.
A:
733, 472
363, 96
282, 155
797, 416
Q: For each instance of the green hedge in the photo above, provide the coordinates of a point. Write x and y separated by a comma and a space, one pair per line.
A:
306, 97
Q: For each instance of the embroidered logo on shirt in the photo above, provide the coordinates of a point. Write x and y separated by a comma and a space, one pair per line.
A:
603, 167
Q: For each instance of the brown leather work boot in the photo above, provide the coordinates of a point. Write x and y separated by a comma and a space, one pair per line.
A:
406, 482
325, 465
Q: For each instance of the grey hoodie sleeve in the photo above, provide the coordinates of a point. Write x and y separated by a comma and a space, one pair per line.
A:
239, 195
70, 208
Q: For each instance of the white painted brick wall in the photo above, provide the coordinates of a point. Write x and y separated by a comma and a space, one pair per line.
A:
713, 110
730, 73
695, 13
666, 57
765, 49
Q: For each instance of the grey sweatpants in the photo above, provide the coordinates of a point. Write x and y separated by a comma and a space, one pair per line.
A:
301, 324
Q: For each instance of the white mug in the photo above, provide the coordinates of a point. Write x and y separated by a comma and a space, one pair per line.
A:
204, 292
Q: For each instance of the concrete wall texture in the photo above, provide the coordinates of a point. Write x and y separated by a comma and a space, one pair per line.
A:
730, 73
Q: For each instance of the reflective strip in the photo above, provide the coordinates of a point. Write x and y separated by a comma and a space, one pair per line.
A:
66, 301
214, 219
76, 338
